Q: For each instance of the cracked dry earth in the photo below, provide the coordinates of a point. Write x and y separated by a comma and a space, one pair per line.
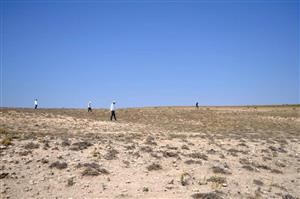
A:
159, 152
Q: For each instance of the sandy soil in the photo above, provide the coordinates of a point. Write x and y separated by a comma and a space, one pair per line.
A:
159, 152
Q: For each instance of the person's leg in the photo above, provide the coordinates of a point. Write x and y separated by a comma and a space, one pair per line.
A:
115, 115
111, 115
35, 107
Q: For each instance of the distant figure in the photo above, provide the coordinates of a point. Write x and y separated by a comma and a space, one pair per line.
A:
35, 104
113, 111
90, 106
197, 105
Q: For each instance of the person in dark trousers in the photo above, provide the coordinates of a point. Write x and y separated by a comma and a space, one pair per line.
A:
35, 104
90, 106
197, 105
113, 111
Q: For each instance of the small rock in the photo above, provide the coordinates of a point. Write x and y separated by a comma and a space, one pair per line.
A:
258, 182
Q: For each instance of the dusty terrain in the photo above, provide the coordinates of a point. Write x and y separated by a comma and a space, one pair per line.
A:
159, 152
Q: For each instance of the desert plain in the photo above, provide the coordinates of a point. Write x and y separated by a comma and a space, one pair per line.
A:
157, 152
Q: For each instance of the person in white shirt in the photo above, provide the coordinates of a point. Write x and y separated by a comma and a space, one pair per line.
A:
113, 111
35, 104
90, 106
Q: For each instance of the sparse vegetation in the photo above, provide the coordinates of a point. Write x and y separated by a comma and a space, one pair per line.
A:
258, 182
59, 165
198, 156
111, 154
80, 146
217, 179
6, 141
145, 189
211, 195
150, 140
31, 145
154, 167
147, 150
92, 169
168, 154
3, 131
189, 162
220, 170
185, 179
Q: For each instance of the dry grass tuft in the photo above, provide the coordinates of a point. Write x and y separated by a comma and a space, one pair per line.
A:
3, 131
217, 179
6, 141
185, 179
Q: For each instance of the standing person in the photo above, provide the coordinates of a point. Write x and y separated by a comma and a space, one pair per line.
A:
35, 104
90, 106
197, 105
113, 111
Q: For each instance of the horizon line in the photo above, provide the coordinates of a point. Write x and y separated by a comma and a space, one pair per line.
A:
160, 106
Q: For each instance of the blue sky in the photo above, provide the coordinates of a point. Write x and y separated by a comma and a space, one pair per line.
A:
149, 53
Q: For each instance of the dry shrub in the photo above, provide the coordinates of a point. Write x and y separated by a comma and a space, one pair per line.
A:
154, 167
3, 131
32, 145
59, 165
111, 154
217, 179
185, 179
198, 156
6, 141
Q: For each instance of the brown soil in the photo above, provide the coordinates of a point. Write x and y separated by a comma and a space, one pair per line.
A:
159, 152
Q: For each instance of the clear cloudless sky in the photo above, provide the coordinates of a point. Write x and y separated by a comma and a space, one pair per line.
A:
149, 53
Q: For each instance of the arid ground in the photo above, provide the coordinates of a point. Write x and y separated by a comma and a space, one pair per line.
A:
158, 152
